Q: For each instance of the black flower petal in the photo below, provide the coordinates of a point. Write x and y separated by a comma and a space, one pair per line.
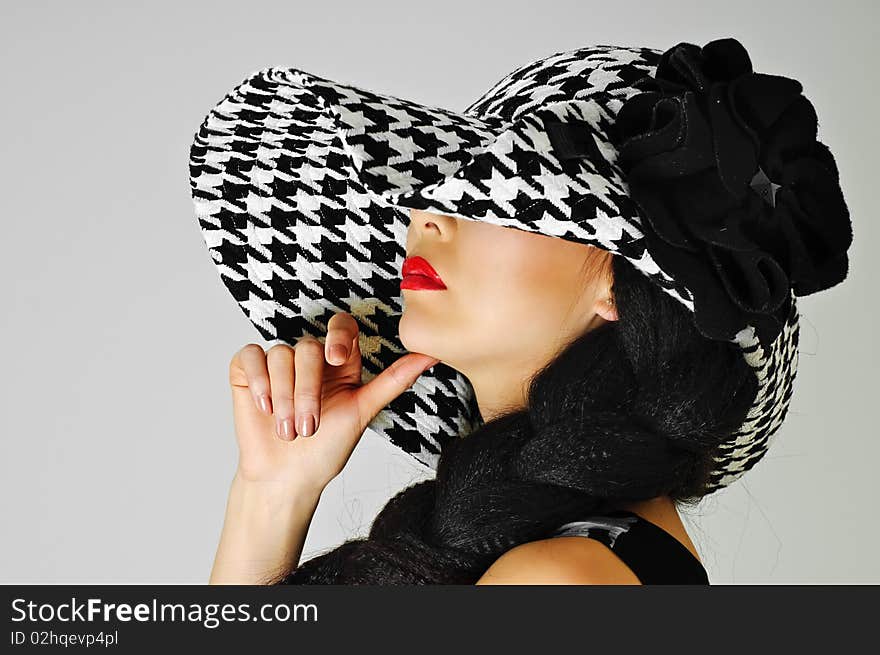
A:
693, 145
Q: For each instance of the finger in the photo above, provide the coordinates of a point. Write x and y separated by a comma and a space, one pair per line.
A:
252, 359
356, 351
309, 378
391, 382
279, 361
342, 329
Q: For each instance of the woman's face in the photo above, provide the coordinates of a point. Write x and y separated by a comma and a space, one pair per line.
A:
512, 298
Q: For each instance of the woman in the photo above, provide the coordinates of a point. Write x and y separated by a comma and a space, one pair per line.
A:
637, 363
503, 315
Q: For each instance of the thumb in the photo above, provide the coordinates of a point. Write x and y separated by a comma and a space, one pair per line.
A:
391, 382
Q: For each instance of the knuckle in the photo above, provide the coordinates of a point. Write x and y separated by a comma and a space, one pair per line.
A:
259, 384
397, 374
309, 345
280, 350
307, 398
283, 406
252, 348
281, 390
241, 363
279, 358
238, 355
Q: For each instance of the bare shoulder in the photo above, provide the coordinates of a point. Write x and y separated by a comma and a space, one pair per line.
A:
559, 560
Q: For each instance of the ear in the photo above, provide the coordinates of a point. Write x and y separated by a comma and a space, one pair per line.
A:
606, 308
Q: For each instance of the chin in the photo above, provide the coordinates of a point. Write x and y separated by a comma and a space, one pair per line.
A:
412, 334
420, 333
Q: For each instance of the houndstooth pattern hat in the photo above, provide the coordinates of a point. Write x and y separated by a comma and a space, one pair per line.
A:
302, 188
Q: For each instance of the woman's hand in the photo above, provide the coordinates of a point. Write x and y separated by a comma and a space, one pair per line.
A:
300, 411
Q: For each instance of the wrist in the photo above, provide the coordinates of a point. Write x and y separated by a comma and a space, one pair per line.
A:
275, 489
264, 530
270, 498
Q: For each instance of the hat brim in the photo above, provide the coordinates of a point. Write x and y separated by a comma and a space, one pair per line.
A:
277, 172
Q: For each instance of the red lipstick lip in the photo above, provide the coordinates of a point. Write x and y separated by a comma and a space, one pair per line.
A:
417, 273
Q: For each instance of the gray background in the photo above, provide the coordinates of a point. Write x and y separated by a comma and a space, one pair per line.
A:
117, 440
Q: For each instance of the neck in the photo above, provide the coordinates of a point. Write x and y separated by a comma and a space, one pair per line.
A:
494, 400
502, 386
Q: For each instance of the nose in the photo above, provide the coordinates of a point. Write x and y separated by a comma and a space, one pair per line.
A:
429, 224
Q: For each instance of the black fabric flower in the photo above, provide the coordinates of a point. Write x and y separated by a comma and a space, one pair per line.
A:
740, 202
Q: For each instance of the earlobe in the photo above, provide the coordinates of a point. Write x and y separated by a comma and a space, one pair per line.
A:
606, 309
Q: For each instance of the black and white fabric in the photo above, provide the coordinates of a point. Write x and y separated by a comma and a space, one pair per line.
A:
602, 528
302, 187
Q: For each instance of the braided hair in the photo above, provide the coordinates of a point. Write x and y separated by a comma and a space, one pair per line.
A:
629, 410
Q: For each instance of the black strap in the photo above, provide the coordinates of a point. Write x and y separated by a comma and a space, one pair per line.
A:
572, 139
655, 556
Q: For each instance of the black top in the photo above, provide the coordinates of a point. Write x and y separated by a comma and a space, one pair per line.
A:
654, 555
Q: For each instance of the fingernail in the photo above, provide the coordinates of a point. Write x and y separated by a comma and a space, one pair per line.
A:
263, 401
285, 429
307, 425
338, 353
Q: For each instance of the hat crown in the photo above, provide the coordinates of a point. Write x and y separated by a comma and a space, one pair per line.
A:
606, 73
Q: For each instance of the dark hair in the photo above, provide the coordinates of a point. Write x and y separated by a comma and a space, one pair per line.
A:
629, 410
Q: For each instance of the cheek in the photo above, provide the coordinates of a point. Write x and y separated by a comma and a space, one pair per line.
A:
526, 299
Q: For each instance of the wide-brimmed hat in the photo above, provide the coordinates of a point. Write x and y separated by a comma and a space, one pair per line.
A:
704, 174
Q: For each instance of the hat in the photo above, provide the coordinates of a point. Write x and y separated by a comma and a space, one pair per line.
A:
702, 173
